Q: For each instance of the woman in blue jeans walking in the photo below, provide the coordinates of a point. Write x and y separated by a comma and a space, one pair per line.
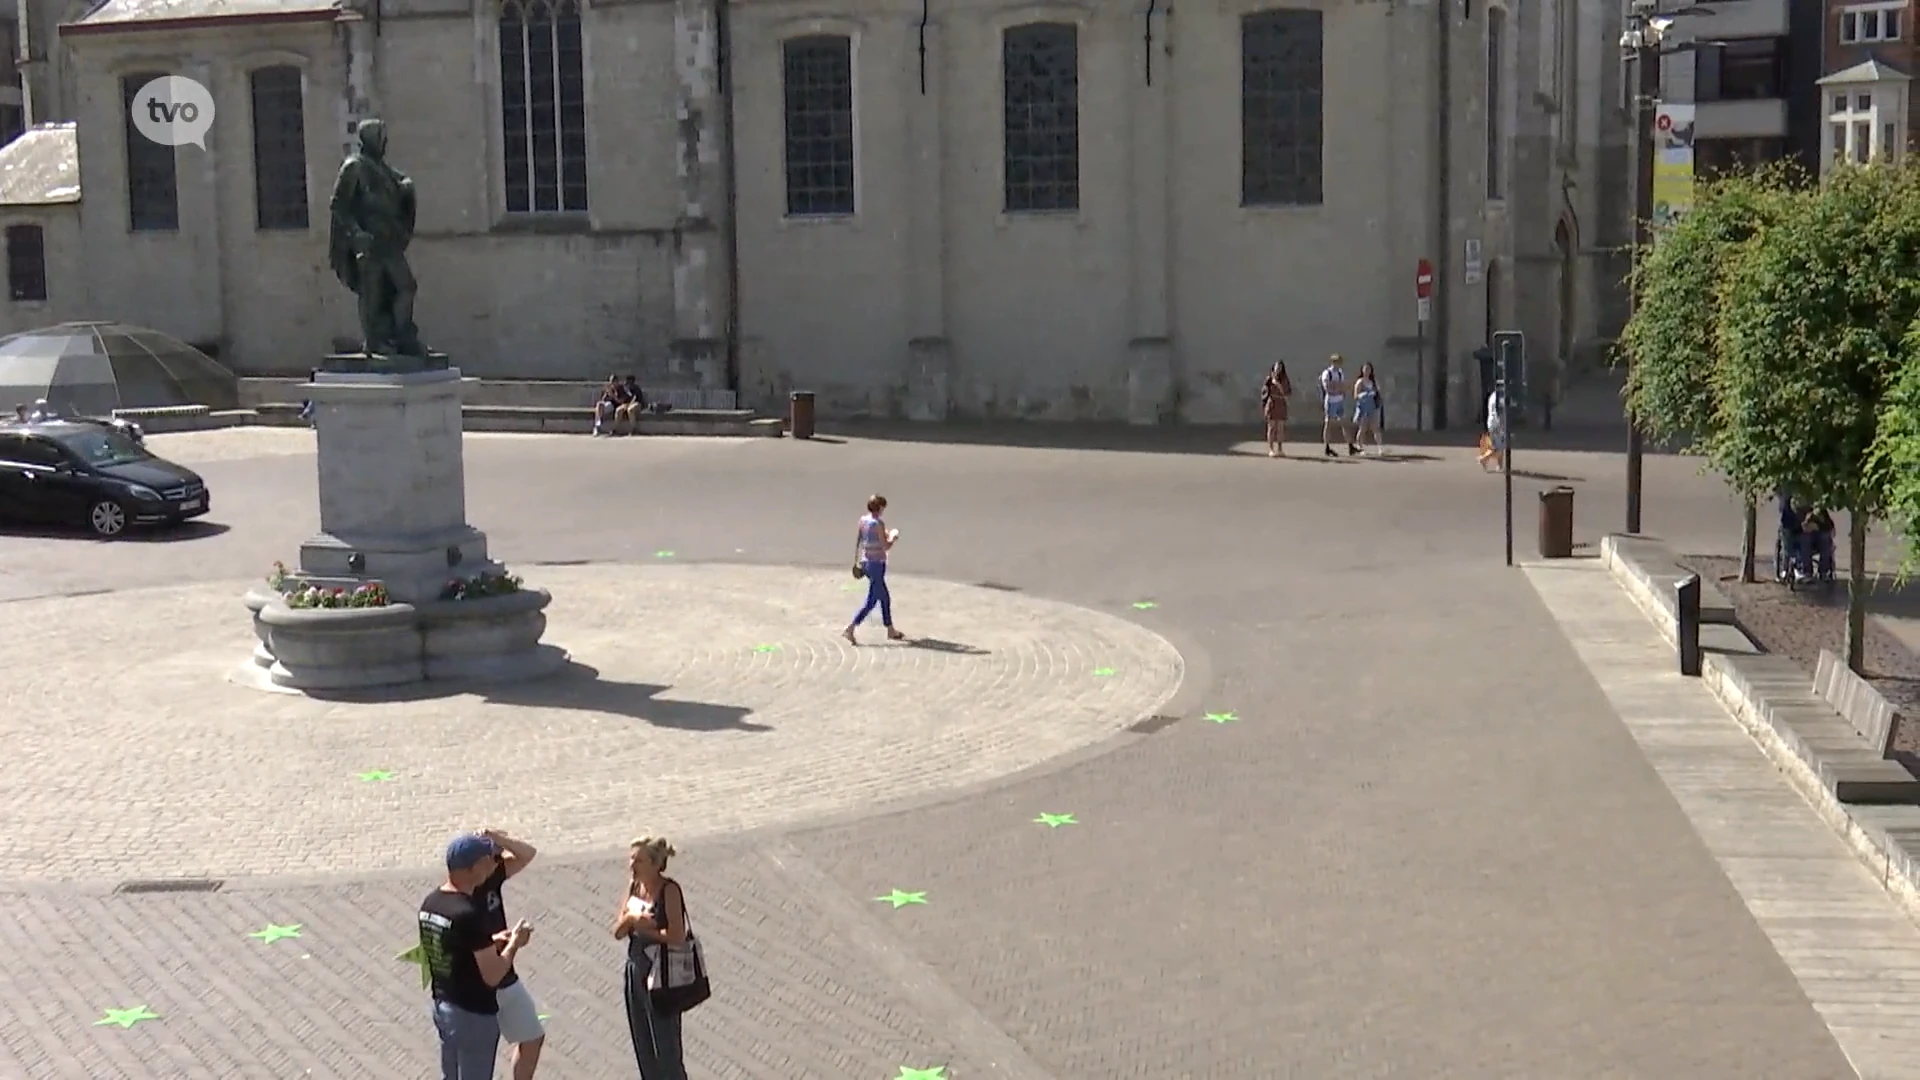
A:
874, 540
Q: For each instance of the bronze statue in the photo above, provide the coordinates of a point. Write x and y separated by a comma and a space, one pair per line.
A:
372, 210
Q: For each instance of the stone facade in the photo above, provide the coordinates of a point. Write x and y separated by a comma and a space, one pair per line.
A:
1158, 296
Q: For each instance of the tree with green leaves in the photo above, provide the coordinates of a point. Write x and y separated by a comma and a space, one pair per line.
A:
1815, 313
1673, 338
1895, 458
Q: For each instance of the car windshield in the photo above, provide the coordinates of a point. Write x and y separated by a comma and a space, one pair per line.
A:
103, 448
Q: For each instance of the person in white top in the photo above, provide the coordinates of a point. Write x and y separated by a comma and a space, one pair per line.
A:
1333, 391
1494, 444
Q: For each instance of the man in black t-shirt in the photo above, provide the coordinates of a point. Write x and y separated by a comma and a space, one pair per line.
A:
519, 1016
465, 961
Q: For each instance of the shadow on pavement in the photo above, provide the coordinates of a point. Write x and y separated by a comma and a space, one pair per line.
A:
135, 534
575, 686
937, 645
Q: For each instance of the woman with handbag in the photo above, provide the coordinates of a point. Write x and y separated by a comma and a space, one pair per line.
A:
666, 973
871, 544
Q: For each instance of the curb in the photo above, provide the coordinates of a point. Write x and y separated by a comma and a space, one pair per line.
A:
1885, 838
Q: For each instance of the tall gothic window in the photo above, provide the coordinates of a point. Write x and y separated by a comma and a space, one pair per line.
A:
1281, 108
817, 77
279, 148
543, 107
1040, 69
26, 262
153, 185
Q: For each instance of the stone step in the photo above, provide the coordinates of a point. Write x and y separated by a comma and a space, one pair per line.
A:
528, 393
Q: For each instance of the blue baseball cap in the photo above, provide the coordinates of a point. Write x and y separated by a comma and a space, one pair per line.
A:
466, 850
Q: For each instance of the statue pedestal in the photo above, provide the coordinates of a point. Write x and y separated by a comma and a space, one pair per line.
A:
393, 485
393, 510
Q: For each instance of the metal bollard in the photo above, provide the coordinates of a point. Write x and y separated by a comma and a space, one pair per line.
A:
1686, 609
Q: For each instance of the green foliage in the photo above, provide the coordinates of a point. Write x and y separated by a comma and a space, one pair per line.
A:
1815, 311
1894, 462
1673, 338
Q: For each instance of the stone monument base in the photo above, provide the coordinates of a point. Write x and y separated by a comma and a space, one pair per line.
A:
392, 481
487, 639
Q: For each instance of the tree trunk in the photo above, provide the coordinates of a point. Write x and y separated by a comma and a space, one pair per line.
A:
1749, 529
1857, 592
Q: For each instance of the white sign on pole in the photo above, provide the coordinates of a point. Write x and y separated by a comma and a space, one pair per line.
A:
1472, 263
1426, 308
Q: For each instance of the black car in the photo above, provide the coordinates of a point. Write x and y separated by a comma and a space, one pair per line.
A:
77, 472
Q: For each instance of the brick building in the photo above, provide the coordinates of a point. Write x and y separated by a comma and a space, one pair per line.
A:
1866, 88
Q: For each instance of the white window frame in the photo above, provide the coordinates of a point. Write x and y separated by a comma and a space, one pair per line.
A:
1857, 122
1886, 20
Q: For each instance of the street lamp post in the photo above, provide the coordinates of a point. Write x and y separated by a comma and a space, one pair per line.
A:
1646, 65
1646, 30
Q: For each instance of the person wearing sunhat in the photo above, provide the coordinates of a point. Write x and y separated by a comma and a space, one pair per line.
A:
465, 962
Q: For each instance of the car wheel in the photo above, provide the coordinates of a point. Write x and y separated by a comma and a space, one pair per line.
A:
107, 519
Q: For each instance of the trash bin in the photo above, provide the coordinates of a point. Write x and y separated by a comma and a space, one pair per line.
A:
1556, 523
800, 415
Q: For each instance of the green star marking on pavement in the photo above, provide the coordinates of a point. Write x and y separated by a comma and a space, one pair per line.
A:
1144, 605
901, 899
1054, 821
766, 648
274, 932
938, 1072
417, 956
663, 554
543, 1018
375, 776
126, 1018
1103, 673
1223, 717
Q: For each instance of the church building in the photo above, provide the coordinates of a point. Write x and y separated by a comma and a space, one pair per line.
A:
921, 209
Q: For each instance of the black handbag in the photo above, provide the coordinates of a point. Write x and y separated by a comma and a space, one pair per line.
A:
679, 978
859, 571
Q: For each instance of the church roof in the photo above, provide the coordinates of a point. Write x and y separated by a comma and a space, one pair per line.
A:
41, 167
1870, 71
110, 15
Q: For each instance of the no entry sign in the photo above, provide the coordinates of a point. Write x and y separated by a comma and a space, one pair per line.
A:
1423, 280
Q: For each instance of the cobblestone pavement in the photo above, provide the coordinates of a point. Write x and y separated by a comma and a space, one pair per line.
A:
718, 698
1389, 825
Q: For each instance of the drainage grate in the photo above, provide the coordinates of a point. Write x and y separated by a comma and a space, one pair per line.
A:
170, 885
999, 587
1152, 724
564, 562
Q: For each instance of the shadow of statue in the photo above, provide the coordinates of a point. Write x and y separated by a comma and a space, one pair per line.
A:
576, 687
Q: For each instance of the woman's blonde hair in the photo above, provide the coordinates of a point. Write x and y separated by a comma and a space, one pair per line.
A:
657, 848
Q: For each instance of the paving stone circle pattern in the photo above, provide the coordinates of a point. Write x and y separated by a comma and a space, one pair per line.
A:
134, 754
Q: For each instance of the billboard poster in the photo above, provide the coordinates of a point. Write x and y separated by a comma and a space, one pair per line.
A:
1672, 163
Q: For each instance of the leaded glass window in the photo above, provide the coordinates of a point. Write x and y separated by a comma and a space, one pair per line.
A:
26, 262
1281, 108
279, 148
817, 85
153, 184
543, 107
1040, 67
